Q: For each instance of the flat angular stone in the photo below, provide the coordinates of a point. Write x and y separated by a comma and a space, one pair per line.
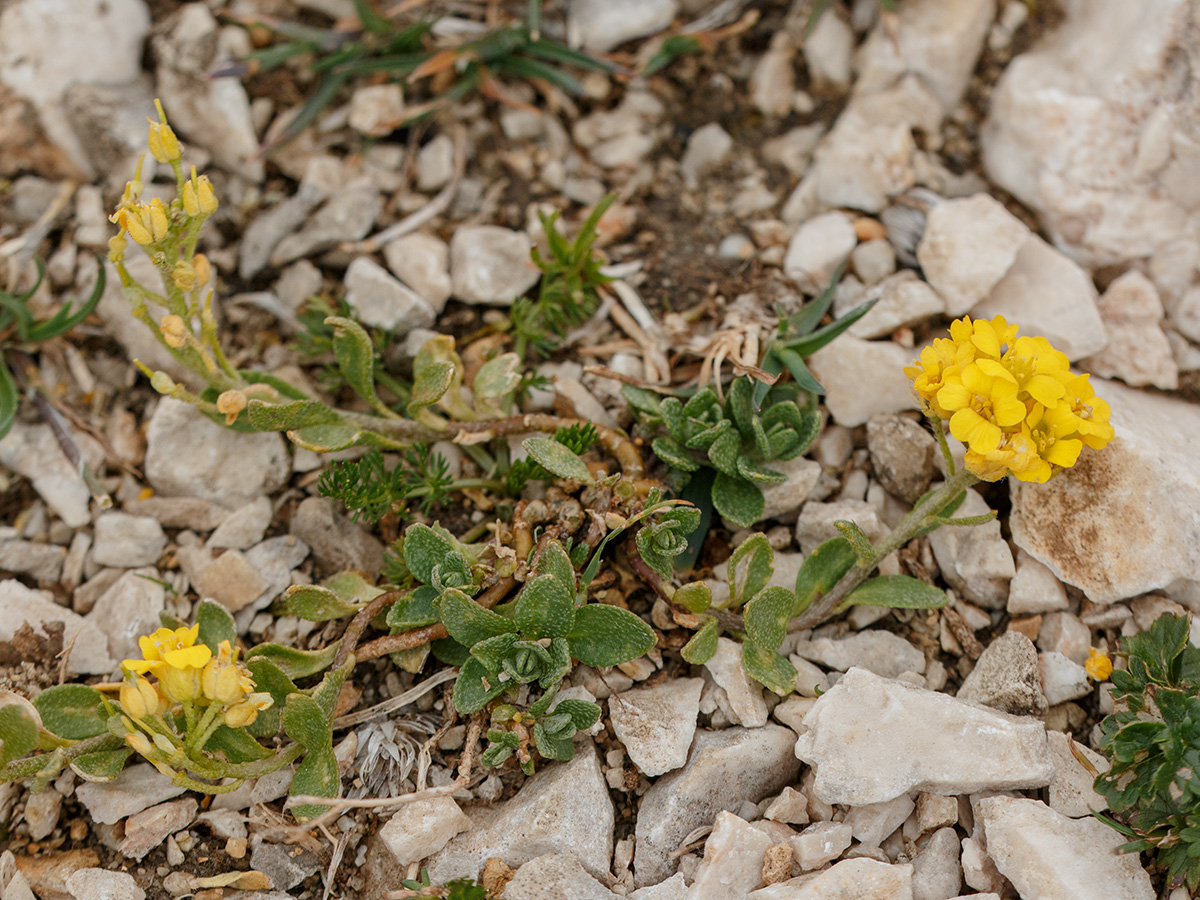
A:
146, 830
102, 884
556, 876
820, 843
733, 859
489, 264
138, 787
881, 652
656, 724
128, 610
851, 879
423, 827
745, 694
1006, 677
1071, 792
871, 739
563, 808
127, 541
19, 604
1048, 856
977, 561
724, 769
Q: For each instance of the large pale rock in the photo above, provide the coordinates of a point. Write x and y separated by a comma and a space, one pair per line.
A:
900, 299
602, 25
1071, 792
733, 859
1047, 294
783, 501
881, 652
322, 177
871, 739
555, 876
103, 884
1099, 524
1089, 129
968, 246
1138, 351
724, 769
188, 455
48, 45
937, 872
127, 541
146, 830
129, 609
423, 827
976, 561
89, 645
848, 363
347, 215
851, 879
656, 724
564, 808
1050, 857
490, 264
422, 261
138, 787
32, 451
382, 301
336, 541
817, 248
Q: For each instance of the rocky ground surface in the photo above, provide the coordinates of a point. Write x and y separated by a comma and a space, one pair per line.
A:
968, 156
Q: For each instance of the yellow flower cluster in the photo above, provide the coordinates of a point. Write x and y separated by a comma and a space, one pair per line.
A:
188, 673
1013, 401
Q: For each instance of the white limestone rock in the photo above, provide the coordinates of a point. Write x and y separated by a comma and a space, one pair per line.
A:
148, 829
1048, 856
490, 264
382, 301
1071, 792
1034, 589
881, 652
422, 828
127, 541
555, 876
1097, 525
89, 645
976, 561
773, 80
871, 823
900, 299
563, 808
845, 365
1137, 351
733, 859
745, 694
422, 261
138, 787
783, 501
103, 884
707, 147
820, 843
815, 524
32, 451
817, 248
130, 608
377, 110
1006, 677
829, 50
602, 25
871, 740
656, 724
937, 872
1062, 679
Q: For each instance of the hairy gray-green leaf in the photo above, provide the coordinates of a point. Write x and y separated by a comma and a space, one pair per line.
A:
72, 711
475, 688
821, 571
738, 501
767, 615
750, 568
723, 453
696, 596
468, 622
497, 378
674, 454
768, 668
758, 474
858, 539
317, 776
583, 714
493, 651
236, 744
898, 592
289, 416
608, 635
546, 607
101, 766
426, 548
305, 723
557, 459
703, 644
414, 610
430, 384
355, 355
216, 625
292, 662
327, 438
18, 732
316, 603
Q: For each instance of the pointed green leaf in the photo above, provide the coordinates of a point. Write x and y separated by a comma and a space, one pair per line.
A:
703, 643
767, 615
738, 501
898, 592
270, 678
317, 775
414, 610
811, 343
555, 562
496, 379
674, 454
608, 635
10, 398
72, 711
559, 666
768, 668
474, 688
292, 662
750, 568
449, 651
316, 603
703, 438
582, 713
758, 474
822, 570
561, 749
545, 608
858, 540
101, 766
468, 622
236, 744
355, 355
426, 547
981, 519
305, 723
557, 459
216, 625
641, 400
430, 383
289, 416
724, 452
955, 502
739, 404
673, 417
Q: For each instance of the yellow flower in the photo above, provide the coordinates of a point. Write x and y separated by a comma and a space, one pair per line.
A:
140, 743
989, 338
1089, 413
1035, 367
198, 196
139, 698
244, 713
167, 648
1099, 667
1016, 454
940, 361
981, 405
174, 331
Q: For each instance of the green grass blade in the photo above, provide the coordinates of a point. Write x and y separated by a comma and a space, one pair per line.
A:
557, 53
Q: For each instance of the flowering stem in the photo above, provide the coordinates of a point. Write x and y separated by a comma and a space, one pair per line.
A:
27, 768
919, 518
939, 432
199, 735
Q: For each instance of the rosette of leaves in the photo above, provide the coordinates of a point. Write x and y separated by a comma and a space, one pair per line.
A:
536, 637
551, 730
1152, 741
735, 439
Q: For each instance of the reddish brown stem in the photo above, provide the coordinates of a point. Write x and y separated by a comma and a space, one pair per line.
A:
354, 631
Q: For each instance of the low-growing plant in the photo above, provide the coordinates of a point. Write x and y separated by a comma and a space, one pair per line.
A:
1152, 741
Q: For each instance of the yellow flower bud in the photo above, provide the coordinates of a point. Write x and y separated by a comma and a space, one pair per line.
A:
1099, 667
221, 682
174, 331
184, 276
116, 247
129, 219
140, 743
199, 198
241, 715
180, 684
162, 382
164, 145
231, 403
157, 215
202, 268
141, 699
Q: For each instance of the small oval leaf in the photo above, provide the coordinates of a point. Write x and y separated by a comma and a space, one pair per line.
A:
898, 592
557, 459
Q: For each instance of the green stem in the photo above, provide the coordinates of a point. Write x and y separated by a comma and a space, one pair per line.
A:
199, 735
918, 519
939, 432
487, 484
27, 768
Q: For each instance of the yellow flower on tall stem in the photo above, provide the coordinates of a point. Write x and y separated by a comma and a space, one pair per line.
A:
980, 406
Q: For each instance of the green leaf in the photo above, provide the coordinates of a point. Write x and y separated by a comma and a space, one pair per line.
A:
704, 438
101, 766
739, 405
557, 459
898, 592
768, 668
493, 651
696, 597
236, 744
750, 568
426, 549
9, 398
316, 603
64, 320
72, 711
608, 635
703, 643
556, 670
858, 540
767, 615
822, 570
305, 722
471, 692
758, 474
723, 453
552, 747
414, 610
674, 454
809, 344
738, 501
468, 622
955, 502
429, 385
18, 732
555, 562
583, 714
546, 607
981, 519
216, 625
270, 678
496, 379
329, 438
641, 400
292, 662
317, 775
449, 651
355, 355
289, 416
